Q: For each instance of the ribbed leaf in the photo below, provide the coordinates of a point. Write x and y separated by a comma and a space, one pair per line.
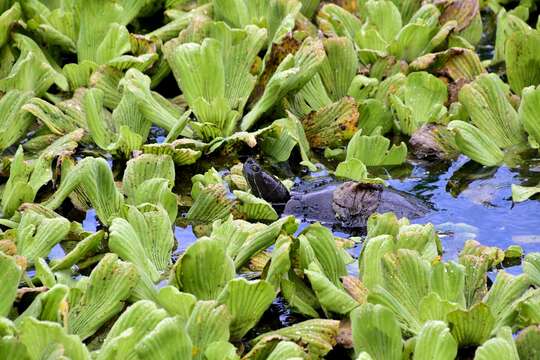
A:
14, 121
246, 301
370, 262
503, 296
448, 281
175, 302
531, 267
476, 144
528, 342
333, 124
40, 336
529, 112
318, 336
138, 85
434, 341
211, 203
263, 239
37, 235
10, 274
473, 326
93, 179
286, 350
292, 74
8, 16
83, 248
406, 281
134, 323
501, 347
110, 284
376, 331
375, 150
326, 252
485, 99
255, 208
168, 341
420, 100
280, 262
522, 59
204, 269
209, 323
331, 297
285, 135
32, 71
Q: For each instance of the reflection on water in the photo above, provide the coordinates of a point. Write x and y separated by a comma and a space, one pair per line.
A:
471, 202
468, 201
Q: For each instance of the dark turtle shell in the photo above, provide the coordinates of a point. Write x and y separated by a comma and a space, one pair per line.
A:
263, 184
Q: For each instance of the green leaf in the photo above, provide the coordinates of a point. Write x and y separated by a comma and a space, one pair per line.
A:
504, 295
434, 341
32, 71
528, 342
326, 252
331, 297
7, 18
473, 326
96, 36
204, 269
134, 324
210, 204
531, 267
10, 274
37, 235
14, 121
83, 248
476, 144
150, 104
318, 336
292, 74
375, 150
522, 60
255, 208
110, 284
285, 135
331, 125
507, 24
376, 331
175, 302
370, 262
221, 350
486, 101
41, 336
286, 350
406, 281
246, 301
501, 347
419, 101
263, 239
145, 239
93, 179
529, 111
168, 341
209, 323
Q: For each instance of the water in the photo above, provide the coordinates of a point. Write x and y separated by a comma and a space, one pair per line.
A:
467, 201
469, 206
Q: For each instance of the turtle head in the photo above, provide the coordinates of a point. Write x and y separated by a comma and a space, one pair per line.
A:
263, 184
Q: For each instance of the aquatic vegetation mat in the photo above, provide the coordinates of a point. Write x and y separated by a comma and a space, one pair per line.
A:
261, 128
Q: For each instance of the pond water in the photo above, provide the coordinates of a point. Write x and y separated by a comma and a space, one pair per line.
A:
466, 200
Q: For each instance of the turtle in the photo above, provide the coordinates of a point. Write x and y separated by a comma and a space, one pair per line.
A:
347, 204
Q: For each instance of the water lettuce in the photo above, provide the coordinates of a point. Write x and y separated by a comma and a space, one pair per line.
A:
109, 108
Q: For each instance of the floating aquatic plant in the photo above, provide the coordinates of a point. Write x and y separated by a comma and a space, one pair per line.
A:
110, 108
